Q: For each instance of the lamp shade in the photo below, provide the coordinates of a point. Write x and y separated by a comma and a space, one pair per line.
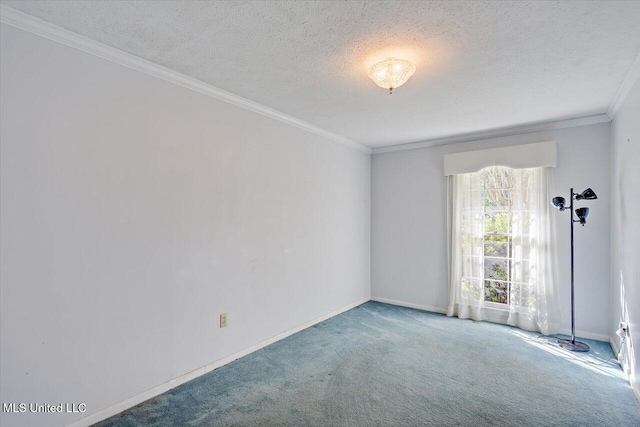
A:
391, 73
582, 214
558, 202
587, 194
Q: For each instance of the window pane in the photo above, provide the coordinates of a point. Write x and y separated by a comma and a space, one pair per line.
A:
521, 222
498, 198
496, 246
472, 266
470, 245
521, 271
496, 222
496, 269
472, 222
496, 236
523, 294
471, 288
496, 292
497, 177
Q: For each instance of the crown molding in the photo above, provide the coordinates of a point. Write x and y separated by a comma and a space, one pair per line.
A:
58, 34
633, 75
495, 133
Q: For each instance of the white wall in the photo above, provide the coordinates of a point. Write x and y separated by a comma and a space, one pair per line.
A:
408, 234
625, 232
135, 211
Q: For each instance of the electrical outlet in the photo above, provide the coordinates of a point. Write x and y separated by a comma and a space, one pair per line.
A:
623, 330
625, 327
223, 320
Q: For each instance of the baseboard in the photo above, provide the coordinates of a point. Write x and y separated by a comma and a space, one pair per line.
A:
159, 389
614, 345
636, 390
410, 305
587, 335
635, 386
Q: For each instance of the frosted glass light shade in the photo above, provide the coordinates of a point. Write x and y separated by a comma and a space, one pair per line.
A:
391, 73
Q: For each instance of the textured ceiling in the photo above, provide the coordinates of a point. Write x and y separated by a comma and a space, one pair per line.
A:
480, 65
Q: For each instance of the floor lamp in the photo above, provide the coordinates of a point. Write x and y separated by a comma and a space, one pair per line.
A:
581, 213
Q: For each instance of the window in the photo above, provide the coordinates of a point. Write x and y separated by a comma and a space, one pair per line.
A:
498, 246
501, 244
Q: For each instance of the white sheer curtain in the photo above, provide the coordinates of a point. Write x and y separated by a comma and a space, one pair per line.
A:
501, 251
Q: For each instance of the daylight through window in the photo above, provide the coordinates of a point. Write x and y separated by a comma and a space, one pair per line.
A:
498, 220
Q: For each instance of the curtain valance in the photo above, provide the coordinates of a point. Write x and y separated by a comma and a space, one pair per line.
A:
540, 154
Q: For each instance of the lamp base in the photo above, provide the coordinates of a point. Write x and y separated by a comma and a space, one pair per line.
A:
573, 345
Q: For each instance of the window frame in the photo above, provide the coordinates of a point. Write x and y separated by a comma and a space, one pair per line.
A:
509, 234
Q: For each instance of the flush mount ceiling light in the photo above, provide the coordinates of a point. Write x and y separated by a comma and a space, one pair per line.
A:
391, 73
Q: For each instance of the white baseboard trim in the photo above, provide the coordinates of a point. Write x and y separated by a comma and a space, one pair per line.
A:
410, 305
635, 386
614, 345
636, 390
159, 389
587, 335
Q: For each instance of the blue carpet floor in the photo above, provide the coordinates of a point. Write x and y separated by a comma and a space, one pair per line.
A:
382, 365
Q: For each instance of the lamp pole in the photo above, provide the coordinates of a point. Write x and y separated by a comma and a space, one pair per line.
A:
581, 213
573, 323
572, 344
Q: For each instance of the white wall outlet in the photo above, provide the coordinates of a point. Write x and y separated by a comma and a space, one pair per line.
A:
625, 327
623, 330
223, 320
